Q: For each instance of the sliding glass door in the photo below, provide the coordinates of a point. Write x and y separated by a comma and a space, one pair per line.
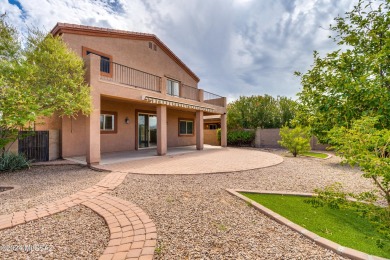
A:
147, 130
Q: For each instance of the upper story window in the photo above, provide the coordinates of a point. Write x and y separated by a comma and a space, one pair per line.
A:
152, 46
172, 87
105, 61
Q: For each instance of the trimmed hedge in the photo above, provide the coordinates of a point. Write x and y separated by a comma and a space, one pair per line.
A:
240, 137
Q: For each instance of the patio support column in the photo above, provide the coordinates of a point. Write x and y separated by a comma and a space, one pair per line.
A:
223, 131
199, 130
92, 122
161, 130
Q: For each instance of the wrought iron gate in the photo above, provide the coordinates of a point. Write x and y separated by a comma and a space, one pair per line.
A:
34, 145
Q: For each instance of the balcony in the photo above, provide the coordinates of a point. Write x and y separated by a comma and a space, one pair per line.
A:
118, 73
121, 74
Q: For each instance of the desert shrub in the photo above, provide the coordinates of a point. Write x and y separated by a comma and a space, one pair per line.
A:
240, 137
296, 140
12, 162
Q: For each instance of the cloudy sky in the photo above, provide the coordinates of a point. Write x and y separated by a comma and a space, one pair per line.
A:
236, 47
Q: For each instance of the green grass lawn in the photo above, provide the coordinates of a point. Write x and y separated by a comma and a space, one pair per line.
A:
316, 155
343, 226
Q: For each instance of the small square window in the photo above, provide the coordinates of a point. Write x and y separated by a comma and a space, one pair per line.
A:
186, 127
107, 122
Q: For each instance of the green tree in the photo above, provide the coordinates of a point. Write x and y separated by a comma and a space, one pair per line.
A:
287, 110
260, 111
42, 78
368, 147
295, 140
353, 81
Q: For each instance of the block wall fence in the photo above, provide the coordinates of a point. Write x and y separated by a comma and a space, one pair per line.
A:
268, 138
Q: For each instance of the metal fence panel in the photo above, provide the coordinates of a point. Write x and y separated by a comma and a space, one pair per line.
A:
34, 145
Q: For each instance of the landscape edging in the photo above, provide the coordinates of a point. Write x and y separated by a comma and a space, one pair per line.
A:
323, 242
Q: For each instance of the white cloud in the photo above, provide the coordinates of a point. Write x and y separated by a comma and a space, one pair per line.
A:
237, 47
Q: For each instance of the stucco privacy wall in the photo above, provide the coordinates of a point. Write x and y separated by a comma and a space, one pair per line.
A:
73, 136
13, 147
132, 53
210, 137
270, 137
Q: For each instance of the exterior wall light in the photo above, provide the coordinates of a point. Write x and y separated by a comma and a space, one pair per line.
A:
127, 120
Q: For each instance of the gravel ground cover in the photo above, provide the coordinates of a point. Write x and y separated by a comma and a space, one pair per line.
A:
77, 233
43, 184
197, 219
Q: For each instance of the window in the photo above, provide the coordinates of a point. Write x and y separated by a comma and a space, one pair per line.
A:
186, 127
213, 126
105, 61
152, 46
108, 122
172, 87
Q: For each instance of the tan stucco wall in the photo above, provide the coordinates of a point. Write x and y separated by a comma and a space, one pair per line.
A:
13, 147
132, 53
210, 137
46, 123
267, 138
73, 136
173, 128
270, 138
54, 144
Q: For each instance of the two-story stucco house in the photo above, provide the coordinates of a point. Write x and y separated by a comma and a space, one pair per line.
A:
143, 95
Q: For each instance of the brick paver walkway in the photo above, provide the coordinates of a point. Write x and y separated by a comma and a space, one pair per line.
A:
132, 233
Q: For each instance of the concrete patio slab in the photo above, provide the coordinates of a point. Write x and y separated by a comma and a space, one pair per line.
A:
198, 162
146, 153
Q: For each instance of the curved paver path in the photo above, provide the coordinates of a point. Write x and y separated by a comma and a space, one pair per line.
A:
132, 233
207, 161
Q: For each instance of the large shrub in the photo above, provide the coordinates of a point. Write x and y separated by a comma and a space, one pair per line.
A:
12, 162
38, 78
296, 140
260, 111
240, 137
367, 147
